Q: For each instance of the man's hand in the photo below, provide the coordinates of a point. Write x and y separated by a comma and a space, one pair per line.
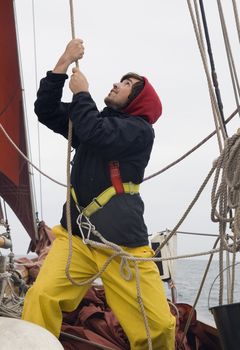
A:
78, 81
73, 52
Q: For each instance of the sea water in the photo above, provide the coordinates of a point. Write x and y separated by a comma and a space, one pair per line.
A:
188, 277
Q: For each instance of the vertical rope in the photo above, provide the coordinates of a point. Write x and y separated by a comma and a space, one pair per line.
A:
199, 27
231, 64
68, 203
140, 302
38, 124
187, 325
235, 10
233, 267
217, 119
212, 63
236, 89
228, 277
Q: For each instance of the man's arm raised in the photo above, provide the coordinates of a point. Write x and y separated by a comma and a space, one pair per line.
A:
73, 52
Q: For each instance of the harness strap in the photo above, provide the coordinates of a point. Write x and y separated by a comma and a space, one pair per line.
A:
104, 197
116, 176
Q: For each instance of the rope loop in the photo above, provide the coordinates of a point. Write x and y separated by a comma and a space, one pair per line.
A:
125, 270
226, 186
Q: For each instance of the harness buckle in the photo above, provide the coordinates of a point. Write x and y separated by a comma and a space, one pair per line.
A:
131, 188
96, 201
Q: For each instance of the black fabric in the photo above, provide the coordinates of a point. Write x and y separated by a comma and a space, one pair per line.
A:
120, 221
99, 137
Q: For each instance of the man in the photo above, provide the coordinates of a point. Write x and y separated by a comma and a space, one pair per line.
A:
112, 150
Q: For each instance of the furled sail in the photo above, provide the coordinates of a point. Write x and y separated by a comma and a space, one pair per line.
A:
15, 186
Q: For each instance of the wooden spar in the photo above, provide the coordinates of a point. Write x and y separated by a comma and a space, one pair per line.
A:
5, 242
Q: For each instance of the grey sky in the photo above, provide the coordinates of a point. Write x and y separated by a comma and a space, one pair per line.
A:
154, 38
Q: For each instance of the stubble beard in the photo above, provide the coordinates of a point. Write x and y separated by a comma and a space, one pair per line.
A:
117, 106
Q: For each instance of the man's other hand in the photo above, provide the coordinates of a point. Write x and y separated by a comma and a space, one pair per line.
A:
78, 81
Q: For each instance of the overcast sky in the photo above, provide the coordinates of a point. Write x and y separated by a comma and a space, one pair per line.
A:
154, 38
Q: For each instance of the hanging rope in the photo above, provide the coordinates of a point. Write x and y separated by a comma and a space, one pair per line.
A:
231, 64
217, 118
68, 203
190, 151
222, 193
235, 10
187, 210
226, 194
198, 295
212, 64
26, 158
38, 124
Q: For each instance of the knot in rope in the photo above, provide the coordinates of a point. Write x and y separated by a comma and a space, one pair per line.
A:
125, 270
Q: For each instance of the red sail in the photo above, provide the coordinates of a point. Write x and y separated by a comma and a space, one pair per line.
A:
14, 171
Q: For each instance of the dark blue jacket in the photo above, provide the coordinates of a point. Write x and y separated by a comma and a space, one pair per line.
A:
99, 137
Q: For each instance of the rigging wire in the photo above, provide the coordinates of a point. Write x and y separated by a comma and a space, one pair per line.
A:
196, 234
235, 10
190, 151
38, 124
230, 58
218, 96
227, 187
217, 119
187, 325
212, 64
26, 158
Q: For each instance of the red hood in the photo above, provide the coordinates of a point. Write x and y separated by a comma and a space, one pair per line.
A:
146, 104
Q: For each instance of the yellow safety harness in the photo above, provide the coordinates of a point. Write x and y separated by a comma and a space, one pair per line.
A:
104, 197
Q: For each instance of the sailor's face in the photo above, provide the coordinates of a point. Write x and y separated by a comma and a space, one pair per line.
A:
118, 96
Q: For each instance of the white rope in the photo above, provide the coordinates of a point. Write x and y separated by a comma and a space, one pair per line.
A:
235, 10
38, 124
215, 109
10, 306
231, 63
26, 158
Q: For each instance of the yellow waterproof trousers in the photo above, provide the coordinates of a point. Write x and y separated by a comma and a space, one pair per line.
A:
53, 293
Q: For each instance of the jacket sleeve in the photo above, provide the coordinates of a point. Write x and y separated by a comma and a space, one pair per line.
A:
111, 135
48, 107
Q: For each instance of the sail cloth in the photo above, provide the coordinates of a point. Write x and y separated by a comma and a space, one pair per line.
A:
14, 171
